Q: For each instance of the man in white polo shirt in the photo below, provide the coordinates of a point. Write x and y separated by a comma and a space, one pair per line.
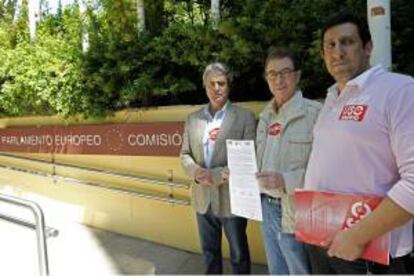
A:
363, 144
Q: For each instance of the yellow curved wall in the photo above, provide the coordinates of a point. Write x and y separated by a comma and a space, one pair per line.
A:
158, 221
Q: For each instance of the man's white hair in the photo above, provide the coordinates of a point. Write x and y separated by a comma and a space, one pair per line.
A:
217, 67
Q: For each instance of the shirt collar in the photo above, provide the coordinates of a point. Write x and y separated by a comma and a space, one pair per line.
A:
292, 102
359, 81
287, 106
219, 113
290, 108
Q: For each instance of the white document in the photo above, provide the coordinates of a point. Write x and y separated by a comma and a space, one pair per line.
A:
244, 189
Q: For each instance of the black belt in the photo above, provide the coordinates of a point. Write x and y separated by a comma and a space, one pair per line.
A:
272, 199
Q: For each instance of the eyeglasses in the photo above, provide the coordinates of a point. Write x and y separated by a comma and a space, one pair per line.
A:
272, 75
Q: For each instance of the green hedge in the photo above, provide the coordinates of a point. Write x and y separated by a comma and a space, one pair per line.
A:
163, 65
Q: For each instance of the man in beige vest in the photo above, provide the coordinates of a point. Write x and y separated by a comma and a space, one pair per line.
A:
204, 159
284, 141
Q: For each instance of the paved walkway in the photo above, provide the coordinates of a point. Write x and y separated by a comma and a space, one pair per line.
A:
81, 250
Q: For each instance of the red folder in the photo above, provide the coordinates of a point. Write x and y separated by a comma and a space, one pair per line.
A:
319, 215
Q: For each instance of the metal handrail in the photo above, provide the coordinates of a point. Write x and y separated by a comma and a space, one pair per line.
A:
101, 171
40, 229
50, 232
158, 197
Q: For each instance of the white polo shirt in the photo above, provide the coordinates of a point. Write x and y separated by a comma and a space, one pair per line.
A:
364, 144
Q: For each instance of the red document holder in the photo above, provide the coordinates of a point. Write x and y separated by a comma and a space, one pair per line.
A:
319, 215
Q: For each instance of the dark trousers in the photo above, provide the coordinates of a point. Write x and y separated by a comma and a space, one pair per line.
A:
210, 229
409, 262
321, 263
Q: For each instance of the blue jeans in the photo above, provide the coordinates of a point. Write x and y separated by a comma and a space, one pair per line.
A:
210, 229
284, 254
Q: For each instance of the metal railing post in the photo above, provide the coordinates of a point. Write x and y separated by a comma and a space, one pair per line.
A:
40, 229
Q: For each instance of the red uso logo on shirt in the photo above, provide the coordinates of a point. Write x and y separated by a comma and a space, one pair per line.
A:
213, 134
359, 210
353, 112
275, 129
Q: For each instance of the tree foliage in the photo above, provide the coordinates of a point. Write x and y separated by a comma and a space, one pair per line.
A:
163, 65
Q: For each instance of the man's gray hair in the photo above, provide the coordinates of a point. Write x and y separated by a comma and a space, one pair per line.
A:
217, 67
